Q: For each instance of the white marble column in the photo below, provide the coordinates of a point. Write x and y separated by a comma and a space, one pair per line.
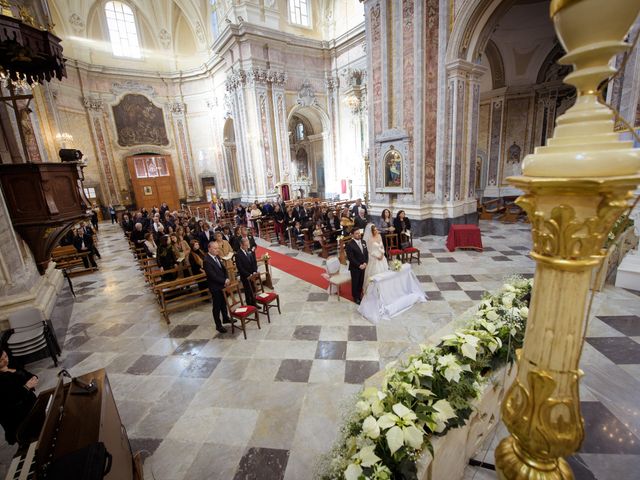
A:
281, 133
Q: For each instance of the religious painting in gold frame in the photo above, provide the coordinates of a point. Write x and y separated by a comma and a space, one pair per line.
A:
392, 168
147, 190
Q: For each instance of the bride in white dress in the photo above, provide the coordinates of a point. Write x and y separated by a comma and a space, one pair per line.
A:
377, 262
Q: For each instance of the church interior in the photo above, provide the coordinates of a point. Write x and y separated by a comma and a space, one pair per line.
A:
319, 239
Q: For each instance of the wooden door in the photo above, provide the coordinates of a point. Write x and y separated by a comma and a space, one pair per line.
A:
153, 181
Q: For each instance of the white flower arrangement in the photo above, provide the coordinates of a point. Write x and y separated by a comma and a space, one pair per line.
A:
395, 265
429, 394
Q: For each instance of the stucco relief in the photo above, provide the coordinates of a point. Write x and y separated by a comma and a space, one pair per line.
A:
459, 137
264, 125
473, 147
139, 122
430, 94
306, 95
408, 105
494, 142
449, 129
165, 38
131, 86
516, 119
376, 61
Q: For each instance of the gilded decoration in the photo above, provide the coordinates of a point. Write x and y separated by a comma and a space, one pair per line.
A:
563, 235
139, 122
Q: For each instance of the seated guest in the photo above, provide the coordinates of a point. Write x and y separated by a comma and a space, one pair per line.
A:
180, 248
84, 243
386, 222
355, 210
196, 258
255, 214
241, 215
206, 235
127, 223
360, 221
296, 234
18, 397
247, 266
226, 233
150, 246
155, 226
158, 234
226, 252
333, 223
345, 222
234, 241
317, 234
402, 226
137, 235
166, 259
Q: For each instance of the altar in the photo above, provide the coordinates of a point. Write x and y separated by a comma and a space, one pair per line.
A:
391, 293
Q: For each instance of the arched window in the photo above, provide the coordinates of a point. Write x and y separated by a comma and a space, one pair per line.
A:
299, 12
300, 131
215, 30
122, 30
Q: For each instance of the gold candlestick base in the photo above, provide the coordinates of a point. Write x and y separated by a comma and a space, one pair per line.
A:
515, 465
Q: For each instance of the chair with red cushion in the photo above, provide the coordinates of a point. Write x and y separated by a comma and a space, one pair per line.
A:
410, 253
264, 300
238, 310
393, 247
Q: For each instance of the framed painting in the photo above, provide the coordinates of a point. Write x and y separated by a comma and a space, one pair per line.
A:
392, 168
147, 190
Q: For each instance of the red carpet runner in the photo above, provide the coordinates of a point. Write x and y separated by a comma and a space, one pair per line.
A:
302, 270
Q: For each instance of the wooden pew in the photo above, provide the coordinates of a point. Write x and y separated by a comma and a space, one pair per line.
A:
328, 247
180, 293
69, 259
491, 208
512, 213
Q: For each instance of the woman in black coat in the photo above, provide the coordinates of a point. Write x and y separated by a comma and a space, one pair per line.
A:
402, 226
18, 397
166, 259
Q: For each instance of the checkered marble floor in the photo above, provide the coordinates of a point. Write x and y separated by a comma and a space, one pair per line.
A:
208, 406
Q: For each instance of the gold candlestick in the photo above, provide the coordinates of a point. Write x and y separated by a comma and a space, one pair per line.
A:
575, 188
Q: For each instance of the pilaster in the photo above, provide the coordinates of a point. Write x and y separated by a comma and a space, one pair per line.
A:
183, 146
95, 111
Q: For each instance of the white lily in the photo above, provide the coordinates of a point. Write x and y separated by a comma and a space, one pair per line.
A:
492, 316
443, 413
370, 427
401, 429
470, 346
507, 299
353, 472
450, 367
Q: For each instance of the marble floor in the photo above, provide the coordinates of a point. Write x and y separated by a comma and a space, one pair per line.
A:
206, 406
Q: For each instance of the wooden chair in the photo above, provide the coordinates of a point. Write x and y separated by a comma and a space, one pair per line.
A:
512, 213
307, 242
410, 253
491, 209
327, 246
393, 247
342, 254
264, 300
238, 310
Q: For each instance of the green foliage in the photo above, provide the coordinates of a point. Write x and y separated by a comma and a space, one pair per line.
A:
428, 394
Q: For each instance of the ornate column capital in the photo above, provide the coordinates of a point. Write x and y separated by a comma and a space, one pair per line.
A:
331, 83
177, 108
94, 104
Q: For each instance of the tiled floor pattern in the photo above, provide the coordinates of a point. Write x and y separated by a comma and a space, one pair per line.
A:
207, 406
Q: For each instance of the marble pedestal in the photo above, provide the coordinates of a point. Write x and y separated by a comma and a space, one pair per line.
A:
628, 275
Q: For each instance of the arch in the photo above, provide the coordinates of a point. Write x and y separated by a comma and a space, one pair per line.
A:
494, 57
550, 70
472, 27
317, 117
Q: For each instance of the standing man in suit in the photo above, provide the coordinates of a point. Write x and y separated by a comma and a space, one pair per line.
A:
358, 256
217, 279
206, 235
247, 266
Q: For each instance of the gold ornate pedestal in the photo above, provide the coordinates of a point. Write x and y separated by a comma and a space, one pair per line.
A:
575, 188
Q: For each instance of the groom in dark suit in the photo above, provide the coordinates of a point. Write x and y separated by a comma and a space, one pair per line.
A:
358, 256
217, 279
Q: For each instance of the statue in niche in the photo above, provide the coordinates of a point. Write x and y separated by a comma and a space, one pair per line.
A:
392, 168
513, 154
